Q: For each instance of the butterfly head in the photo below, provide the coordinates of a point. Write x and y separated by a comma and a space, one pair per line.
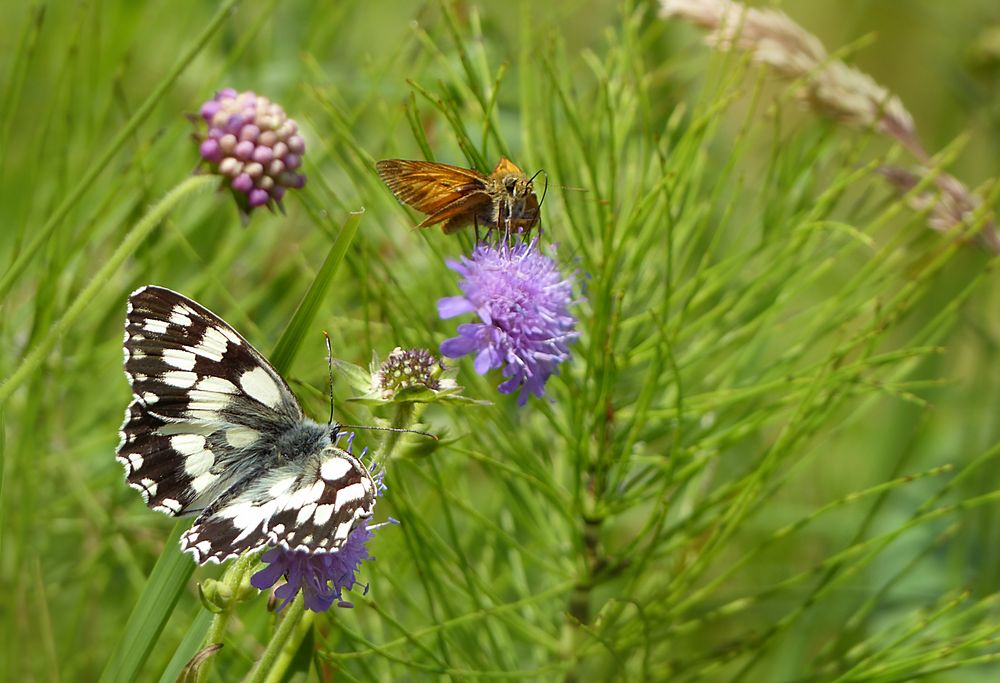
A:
518, 210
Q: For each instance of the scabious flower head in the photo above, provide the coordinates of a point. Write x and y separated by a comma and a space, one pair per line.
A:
321, 576
522, 301
405, 369
253, 145
406, 376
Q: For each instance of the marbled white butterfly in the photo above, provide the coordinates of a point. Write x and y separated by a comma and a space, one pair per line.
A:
214, 430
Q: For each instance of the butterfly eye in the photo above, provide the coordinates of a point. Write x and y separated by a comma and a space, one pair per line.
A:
510, 184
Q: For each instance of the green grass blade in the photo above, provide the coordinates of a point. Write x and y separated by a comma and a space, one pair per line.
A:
297, 330
188, 647
34, 359
155, 605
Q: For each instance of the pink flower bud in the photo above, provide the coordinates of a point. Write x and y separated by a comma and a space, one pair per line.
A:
258, 197
253, 145
242, 183
263, 155
244, 150
210, 151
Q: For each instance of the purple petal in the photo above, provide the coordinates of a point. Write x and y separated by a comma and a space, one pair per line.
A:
450, 306
486, 360
267, 576
456, 347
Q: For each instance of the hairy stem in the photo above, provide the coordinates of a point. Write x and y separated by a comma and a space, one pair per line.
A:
278, 641
216, 632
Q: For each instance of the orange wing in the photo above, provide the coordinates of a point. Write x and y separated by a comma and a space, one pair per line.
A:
439, 190
459, 213
506, 166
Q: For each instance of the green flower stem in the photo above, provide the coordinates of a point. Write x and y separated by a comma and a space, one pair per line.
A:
159, 597
287, 655
81, 302
282, 637
216, 632
125, 134
405, 415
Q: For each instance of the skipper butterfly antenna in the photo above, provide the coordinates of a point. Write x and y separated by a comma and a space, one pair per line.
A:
541, 201
545, 189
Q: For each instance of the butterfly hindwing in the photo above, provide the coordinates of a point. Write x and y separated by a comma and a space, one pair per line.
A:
334, 494
214, 430
310, 506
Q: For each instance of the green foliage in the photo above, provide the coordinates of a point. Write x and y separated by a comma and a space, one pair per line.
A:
771, 458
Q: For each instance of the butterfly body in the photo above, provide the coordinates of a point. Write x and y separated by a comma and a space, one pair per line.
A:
213, 430
454, 197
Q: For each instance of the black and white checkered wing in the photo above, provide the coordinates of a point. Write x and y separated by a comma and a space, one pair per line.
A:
207, 409
310, 506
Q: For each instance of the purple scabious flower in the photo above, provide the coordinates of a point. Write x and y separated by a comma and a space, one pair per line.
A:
522, 301
320, 576
253, 145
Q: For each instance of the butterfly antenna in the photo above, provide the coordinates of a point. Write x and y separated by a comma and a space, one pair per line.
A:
329, 363
389, 429
545, 189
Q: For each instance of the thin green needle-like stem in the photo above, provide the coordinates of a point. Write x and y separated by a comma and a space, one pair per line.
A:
113, 148
101, 279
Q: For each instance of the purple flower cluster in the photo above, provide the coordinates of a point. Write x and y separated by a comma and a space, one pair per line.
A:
522, 301
254, 145
320, 576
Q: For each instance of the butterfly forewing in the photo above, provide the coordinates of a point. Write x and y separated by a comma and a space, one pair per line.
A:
211, 427
449, 195
428, 186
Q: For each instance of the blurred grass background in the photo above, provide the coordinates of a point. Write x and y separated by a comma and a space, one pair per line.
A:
765, 330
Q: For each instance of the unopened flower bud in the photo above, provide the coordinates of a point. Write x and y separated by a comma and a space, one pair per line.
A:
247, 142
